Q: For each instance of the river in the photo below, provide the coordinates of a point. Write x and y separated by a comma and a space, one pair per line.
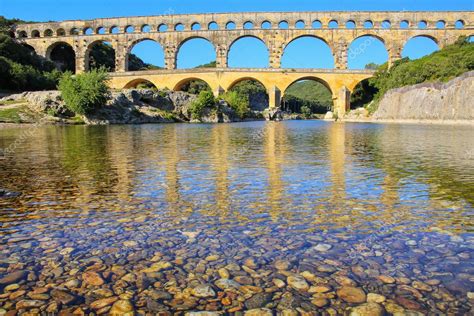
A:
297, 215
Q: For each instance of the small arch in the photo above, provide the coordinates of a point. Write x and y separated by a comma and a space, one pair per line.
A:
441, 24
283, 25
48, 33
162, 28
470, 39
422, 25
74, 31
252, 91
386, 24
459, 24
351, 24
35, 34
22, 34
248, 25
368, 24
316, 99
100, 30
195, 26
63, 55
129, 29
420, 46
192, 85
60, 32
114, 30
213, 26
317, 24
230, 25
146, 28
300, 24
404, 24
179, 27
140, 83
88, 31
333, 24
266, 25
248, 51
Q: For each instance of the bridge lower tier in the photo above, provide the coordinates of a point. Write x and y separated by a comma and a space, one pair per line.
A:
340, 82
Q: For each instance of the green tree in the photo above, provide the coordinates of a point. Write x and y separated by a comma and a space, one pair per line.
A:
85, 92
204, 100
238, 102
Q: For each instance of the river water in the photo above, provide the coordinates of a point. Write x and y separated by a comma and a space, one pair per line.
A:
300, 216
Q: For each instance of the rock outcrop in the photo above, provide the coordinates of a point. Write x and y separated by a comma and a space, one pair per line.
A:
451, 101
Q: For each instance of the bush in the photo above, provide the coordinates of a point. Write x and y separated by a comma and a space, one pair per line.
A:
204, 100
85, 92
306, 111
238, 102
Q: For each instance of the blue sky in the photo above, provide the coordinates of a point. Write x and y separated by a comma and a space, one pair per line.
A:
305, 53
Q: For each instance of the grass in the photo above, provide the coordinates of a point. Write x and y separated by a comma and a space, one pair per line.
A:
11, 115
10, 102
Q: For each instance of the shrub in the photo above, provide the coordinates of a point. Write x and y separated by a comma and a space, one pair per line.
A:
306, 111
84, 92
238, 102
204, 100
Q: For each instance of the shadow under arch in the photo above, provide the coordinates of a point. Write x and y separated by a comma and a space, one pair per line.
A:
206, 43
98, 58
255, 52
63, 55
135, 83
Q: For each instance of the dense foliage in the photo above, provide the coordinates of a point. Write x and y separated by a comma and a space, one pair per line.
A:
84, 92
204, 100
238, 102
311, 95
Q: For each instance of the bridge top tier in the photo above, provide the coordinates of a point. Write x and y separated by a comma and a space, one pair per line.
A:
255, 20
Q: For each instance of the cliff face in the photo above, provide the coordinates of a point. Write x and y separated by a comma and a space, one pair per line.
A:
430, 101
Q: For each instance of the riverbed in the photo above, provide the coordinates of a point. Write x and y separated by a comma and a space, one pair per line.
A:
267, 217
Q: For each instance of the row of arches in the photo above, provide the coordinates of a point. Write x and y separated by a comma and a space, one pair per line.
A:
248, 25
246, 52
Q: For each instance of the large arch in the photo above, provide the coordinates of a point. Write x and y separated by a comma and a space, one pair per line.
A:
100, 53
195, 52
420, 46
195, 84
136, 83
248, 51
366, 52
307, 51
309, 91
253, 91
63, 55
145, 54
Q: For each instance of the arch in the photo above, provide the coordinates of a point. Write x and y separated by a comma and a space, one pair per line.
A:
212, 26
100, 30
230, 25
470, 39
308, 96
301, 52
100, 54
35, 34
362, 94
404, 24
366, 50
145, 28
419, 46
192, 85
196, 26
162, 28
333, 24
300, 24
145, 54
316, 24
351, 24
239, 80
74, 31
386, 24
63, 55
266, 25
195, 52
248, 25
22, 34
48, 33
248, 51
422, 24
368, 24
459, 24
60, 32
114, 30
88, 31
135, 83
283, 25
253, 91
179, 27
441, 24
30, 48
129, 29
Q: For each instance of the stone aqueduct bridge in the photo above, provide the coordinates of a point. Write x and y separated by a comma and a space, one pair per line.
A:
275, 30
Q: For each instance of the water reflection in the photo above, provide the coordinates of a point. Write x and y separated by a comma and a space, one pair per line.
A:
388, 199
